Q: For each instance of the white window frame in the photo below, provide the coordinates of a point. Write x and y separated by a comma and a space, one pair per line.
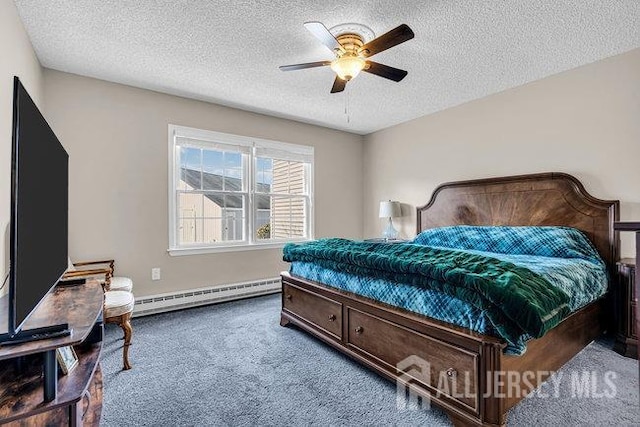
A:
207, 138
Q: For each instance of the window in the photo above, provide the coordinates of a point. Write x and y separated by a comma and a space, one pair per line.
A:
228, 191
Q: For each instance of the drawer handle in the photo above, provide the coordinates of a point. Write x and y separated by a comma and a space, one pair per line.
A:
452, 372
359, 330
332, 317
288, 297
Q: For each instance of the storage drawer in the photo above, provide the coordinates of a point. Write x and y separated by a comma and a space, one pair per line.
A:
452, 371
322, 312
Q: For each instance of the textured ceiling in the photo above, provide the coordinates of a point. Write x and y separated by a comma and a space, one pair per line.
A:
228, 52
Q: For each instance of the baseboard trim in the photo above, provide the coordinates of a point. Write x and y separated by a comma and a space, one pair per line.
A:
171, 301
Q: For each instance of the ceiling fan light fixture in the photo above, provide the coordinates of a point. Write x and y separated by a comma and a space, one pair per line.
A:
353, 44
348, 66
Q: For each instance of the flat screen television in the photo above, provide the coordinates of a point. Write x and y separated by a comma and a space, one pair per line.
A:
39, 214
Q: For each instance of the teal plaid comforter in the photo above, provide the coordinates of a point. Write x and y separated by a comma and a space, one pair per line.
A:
563, 257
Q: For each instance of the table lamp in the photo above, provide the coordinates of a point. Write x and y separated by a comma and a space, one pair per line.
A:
389, 209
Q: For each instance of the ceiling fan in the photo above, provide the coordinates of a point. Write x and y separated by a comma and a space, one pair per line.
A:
351, 50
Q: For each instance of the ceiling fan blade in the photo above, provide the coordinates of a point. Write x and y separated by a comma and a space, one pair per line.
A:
398, 35
338, 85
322, 33
385, 71
303, 66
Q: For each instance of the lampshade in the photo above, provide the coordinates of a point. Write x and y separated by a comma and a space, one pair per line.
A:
348, 66
389, 209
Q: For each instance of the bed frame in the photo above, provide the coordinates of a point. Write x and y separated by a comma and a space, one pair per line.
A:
466, 373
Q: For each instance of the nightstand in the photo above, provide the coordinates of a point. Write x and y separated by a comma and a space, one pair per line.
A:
626, 301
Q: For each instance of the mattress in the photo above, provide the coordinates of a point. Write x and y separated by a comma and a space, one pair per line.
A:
583, 279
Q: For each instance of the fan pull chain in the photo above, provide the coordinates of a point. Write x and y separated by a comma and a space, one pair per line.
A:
346, 106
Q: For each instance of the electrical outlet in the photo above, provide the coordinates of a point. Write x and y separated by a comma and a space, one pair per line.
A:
155, 274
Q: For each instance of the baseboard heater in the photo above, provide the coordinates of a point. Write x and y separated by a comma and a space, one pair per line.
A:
211, 295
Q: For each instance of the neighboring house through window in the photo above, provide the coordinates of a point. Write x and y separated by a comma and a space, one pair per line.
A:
229, 191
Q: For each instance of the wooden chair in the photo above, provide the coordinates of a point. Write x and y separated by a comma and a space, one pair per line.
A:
118, 308
104, 268
118, 299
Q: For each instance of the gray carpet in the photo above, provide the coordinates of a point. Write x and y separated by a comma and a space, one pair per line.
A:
233, 364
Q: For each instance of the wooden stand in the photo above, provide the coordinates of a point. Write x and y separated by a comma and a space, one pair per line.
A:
635, 228
626, 301
74, 399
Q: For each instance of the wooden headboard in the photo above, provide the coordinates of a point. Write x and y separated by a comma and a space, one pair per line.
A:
538, 199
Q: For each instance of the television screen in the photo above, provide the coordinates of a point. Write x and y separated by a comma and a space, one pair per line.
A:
39, 203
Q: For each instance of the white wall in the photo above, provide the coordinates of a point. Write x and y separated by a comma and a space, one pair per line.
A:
585, 122
16, 59
116, 137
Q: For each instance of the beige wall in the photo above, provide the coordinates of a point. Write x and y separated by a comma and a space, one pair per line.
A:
16, 59
116, 137
585, 122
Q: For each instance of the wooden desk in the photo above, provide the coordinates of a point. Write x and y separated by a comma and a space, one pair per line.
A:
79, 394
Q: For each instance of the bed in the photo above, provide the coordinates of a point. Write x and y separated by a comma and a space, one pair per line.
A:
481, 380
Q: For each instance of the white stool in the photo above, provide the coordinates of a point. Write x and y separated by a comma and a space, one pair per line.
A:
119, 283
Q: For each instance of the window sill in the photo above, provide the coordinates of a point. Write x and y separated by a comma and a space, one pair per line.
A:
229, 248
